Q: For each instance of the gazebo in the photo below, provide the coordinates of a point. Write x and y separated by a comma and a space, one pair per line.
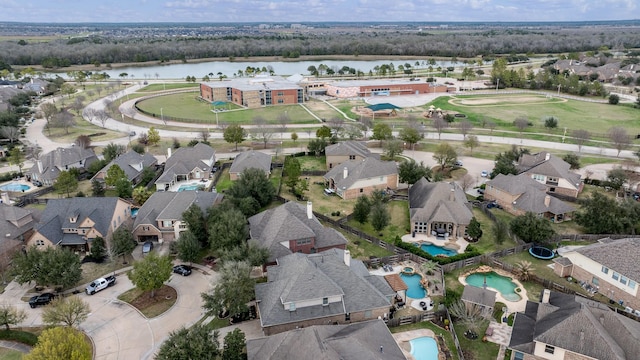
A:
383, 107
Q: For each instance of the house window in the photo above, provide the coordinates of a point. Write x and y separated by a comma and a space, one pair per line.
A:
325, 301
518, 356
361, 190
280, 93
552, 189
280, 101
595, 281
39, 242
623, 280
615, 276
166, 223
352, 157
292, 307
632, 284
549, 349
605, 269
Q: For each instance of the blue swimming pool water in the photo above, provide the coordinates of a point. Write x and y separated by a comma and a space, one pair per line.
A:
503, 284
134, 212
15, 187
424, 348
437, 250
189, 187
413, 282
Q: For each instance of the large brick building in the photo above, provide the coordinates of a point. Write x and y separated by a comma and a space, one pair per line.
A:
253, 92
365, 88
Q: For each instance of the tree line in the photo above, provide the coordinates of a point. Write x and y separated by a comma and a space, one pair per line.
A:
99, 50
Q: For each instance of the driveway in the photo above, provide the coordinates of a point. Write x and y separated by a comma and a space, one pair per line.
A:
117, 329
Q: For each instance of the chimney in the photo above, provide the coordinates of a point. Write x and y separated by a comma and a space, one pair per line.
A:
347, 258
545, 296
39, 162
547, 156
309, 210
452, 194
345, 172
547, 200
602, 320
168, 153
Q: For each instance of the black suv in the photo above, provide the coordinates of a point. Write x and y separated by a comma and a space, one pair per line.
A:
43, 299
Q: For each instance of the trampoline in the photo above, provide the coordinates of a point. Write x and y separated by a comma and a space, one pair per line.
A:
541, 252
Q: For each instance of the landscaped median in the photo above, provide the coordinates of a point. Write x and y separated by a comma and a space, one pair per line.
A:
150, 307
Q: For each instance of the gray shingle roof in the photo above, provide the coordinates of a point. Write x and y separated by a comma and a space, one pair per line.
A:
480, 296
367, 168
185, 159
554, 166
299, 277
289, 222
329, 342
432, 202
55, 161
251, 159
532, 194
58, 212
10, 219
344, 148
132, 163
578, 325
170, 205
618, 255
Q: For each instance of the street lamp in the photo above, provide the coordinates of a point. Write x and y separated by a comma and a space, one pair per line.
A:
162, 116
497, 84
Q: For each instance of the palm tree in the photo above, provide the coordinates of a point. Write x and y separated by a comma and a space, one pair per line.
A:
429, 267
469, 315
524, 270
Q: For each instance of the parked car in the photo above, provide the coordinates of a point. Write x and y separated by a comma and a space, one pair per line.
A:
37, 183
183, 270
147, 247
484, 173
42, 299
458, 163
100, 284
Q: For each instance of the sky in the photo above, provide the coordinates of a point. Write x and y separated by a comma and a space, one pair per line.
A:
315, 10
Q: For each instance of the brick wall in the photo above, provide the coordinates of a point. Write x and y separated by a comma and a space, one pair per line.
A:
579, 273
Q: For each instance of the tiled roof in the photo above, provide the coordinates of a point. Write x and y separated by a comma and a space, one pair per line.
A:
57, 160
577, 325
368, 168
132, 163
480, 296
251, 159
185, 159
433, 202
356, 341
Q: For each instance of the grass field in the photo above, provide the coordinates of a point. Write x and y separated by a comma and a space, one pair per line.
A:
169, 86
8, 354
573, 114
398, 225
186, 106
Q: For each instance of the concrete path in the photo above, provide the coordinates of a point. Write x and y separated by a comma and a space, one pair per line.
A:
15, 346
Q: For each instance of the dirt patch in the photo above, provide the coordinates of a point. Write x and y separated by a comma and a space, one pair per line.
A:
501, 100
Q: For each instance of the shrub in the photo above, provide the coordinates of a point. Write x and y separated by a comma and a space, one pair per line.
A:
19, 336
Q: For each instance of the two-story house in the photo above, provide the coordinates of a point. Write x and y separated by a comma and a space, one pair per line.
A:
50, 165
291, 228
75, 222
570, 327
16, 226
439, 209
132, 163
160, 218
344, 151
551, 171
247, 160
187, 163
610, 266
318, 289
519, 194
355, 178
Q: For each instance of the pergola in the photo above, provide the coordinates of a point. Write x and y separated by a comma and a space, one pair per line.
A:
383, 107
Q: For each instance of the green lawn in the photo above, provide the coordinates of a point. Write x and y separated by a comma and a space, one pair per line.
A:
224, 182
362, 249
8, 354
310, 163
168, 86
398, 225
487, 243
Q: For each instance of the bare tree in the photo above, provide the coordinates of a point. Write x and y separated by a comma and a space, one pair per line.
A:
89, 113
336, 124
101, 116
581, 137
48, 111
619, 138
366, 124
204, 135
78, 104
521, 123
129, 112
471, 142
464, 126
491, 125
439, 124
467, 182
283, 121
83, 142
10, 132
261, 131
98, 89
64, 119
34, 152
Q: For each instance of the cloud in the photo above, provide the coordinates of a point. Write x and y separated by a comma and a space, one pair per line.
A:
191, 4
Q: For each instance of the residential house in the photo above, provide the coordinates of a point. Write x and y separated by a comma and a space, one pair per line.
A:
75, 222
319, 289
132, 163
519, 194
344, 151
570, 327
186, 164
551, 171
439, 209
50, 165
608, 266
250, 159
482, 298
37, 86
16, 226
354, 178
290, 228
160, 217
369, 340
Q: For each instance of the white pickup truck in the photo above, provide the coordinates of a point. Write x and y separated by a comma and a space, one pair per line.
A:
100, 284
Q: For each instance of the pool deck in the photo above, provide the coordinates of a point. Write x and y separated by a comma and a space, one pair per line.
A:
20, 181
397, 269
403, 339
177, 185
512, 306
458, 244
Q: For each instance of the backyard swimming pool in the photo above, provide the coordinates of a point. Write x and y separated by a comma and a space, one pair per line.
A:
424, 348
415, 290
503, 284
16, 187
436, 250
190, 187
